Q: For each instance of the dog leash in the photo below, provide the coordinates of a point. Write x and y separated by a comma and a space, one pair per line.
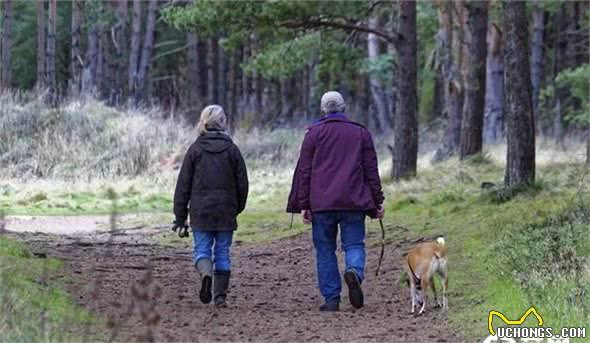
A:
382, 247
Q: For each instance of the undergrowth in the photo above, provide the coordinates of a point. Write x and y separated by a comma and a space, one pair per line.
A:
32, 308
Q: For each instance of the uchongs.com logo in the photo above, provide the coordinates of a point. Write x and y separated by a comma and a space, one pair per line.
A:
513, 332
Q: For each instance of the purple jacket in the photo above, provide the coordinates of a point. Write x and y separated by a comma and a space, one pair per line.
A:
337, 169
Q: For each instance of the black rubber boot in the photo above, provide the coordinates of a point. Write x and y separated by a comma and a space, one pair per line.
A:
330, 307
355, 292
205, 267
220, 285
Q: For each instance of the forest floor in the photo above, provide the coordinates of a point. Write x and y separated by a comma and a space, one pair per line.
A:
502, 254
145, 289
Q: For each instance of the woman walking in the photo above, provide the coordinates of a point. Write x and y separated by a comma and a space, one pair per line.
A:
213, 182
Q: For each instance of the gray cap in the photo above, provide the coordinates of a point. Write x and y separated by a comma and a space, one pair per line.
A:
332, 102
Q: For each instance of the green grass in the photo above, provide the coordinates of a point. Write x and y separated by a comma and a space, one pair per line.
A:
490, 269
33, 307
129, 200
486, 262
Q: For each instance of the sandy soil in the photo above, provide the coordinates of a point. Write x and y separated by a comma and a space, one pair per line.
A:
149, 292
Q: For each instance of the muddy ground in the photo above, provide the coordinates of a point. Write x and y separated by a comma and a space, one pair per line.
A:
149, 292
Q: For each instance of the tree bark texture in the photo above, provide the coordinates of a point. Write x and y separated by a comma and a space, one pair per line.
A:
520, 166
405, 149
537, 58
475, 80
50, 77
377, 95
76, 62
146, 54
135, 47
494, 112
7, 44
41, 43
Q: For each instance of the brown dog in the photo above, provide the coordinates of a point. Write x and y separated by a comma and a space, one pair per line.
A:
422, 262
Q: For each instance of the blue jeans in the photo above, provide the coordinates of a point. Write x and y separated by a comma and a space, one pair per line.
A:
352, 234
203, 247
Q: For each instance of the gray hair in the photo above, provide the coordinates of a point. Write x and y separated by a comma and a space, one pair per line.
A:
212, 119
332, 102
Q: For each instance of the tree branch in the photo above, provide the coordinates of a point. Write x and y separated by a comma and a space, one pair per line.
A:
312, 23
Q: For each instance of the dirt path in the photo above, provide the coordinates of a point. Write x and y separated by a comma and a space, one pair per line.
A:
149, 291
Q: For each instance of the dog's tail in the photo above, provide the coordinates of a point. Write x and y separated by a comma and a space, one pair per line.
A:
440, 241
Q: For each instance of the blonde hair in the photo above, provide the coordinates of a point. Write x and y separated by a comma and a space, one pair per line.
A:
212, 118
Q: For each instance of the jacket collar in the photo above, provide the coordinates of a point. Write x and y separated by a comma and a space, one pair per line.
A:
333, 117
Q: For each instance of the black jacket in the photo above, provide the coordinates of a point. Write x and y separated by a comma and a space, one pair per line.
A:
214, 179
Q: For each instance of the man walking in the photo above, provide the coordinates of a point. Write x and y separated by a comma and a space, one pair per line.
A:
336, 183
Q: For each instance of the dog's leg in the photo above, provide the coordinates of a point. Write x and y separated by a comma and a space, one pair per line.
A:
445, 285
424, 285
412, 294
436, 299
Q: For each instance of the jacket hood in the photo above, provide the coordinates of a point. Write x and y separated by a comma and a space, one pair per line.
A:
214, 142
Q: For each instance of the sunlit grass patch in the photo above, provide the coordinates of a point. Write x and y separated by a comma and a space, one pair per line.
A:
33, 307
486, 238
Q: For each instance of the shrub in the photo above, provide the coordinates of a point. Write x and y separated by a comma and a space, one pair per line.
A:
551, 255
81, 138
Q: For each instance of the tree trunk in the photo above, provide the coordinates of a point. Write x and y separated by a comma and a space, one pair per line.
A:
76, 63
100, 65
362, 95
559, 64
193, 77
41, 46
232, 88
405, 149
391, 89
537, 58
135, 46
572, 39
379, 101
439, 96
246, 80
456, 88
120, 49
286, 98
212, 85
90, 68
108, 83
520, 166
494, 115
305, 85
245, 84
256, 83
221, 74
146, 54
7, 45
302, 94
449, 52
50, 78
475, 81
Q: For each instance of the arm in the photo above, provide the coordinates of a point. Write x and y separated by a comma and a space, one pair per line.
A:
184, 185
306, 160
371, 169
241, 175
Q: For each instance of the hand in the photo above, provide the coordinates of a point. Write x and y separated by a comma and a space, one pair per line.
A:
306, 217
380, 212
178, 224
182, 228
